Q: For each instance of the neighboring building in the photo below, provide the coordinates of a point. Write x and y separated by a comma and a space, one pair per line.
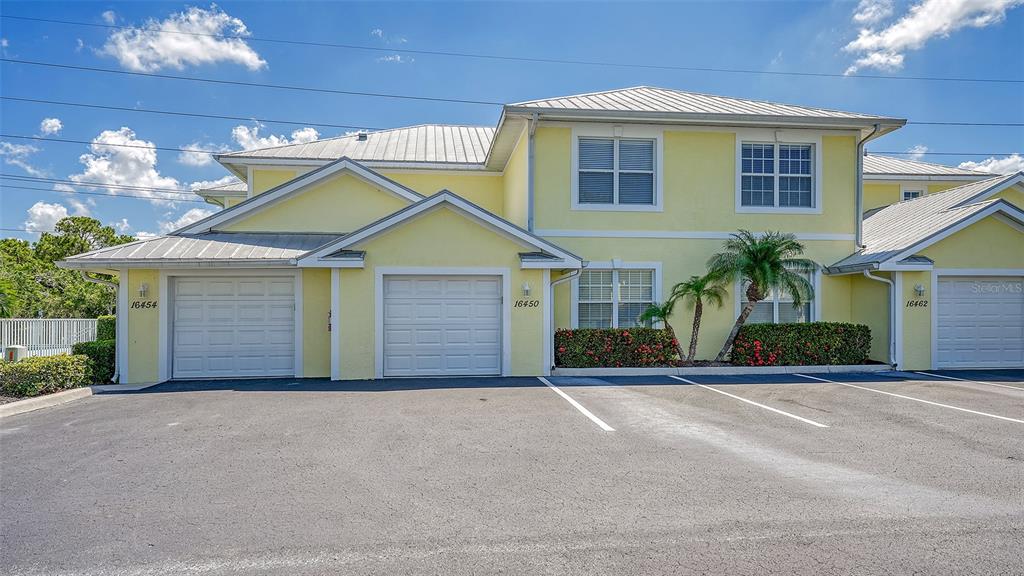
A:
457, 250
889, 180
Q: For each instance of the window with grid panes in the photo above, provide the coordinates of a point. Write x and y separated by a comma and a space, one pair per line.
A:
614, 298
777, 307
777, 175
616, 171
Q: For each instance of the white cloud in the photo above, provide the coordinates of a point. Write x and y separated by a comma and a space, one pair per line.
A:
121, 166
207, 184
917, 152
17, 155
193, 215
42, 217
249, 137
123, 226
1005, 165
4, 43
143, 235
51, 126
377, 33
80, 208
396, 59
884, 49
109, 17
147, 49
872, 11
189, 157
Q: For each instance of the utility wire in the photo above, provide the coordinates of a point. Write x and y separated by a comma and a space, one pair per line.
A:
946, 153
252, 84
89, 184
25, 230
349, 126
574, 62
187, 114
133, 196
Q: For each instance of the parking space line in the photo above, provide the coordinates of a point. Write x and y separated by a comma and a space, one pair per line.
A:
971, 381
914, 399
751, 402
577, 405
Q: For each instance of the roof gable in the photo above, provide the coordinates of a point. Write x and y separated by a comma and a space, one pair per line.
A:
298, 185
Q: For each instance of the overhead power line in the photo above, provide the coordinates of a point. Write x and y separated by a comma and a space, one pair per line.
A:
26, 230
187, 114
507, 58
93, 184
252, 84
904, 152
352, 126
132, 196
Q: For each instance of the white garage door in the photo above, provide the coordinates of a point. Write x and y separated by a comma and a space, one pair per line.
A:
233, 327
442, 325
980, 322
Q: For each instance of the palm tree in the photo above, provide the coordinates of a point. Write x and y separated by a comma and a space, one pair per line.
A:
695, 291
660, 313
767, 262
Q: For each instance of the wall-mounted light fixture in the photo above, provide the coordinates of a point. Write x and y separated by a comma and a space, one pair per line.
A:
526, 289
919, 290
143, 290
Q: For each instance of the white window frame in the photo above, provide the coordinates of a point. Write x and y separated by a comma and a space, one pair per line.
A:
777, 138
615, 266
815, 303
905, 189
617, 133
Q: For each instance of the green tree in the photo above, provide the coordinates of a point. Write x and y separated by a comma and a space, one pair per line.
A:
696, 291
766, 262
75, 235
661, 313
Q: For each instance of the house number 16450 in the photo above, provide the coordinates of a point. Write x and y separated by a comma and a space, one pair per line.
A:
526, 304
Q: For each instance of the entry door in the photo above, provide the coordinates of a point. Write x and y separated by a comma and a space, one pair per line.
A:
233, 327
442, 325
980, 322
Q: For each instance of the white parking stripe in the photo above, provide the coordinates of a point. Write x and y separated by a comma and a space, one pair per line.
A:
914, 399
577, 405
776, 410
971, 381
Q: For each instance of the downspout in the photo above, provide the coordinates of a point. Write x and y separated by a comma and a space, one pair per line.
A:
109, 284
551, 298
860, 187
529, 172
892, 314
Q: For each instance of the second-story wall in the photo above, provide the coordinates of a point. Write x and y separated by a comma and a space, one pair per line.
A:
882, 193
698, 183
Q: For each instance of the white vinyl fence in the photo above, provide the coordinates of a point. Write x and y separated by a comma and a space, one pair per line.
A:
46, 337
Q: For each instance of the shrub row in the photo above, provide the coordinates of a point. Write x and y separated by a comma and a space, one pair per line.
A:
106, 328
614, 348
45, 375
803, 344
101, 352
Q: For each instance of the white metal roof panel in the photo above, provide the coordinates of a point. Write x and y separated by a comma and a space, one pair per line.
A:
211, 247
875, 164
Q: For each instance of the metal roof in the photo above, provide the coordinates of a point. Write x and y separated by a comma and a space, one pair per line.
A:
875, 164
426, 144
899, 227
665, 100
236, 186
214, 248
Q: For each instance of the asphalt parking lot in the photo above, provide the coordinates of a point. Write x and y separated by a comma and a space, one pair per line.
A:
831, 474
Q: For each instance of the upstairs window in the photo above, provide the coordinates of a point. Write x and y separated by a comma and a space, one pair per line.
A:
614, 298
911, 194
777, 175
616, 172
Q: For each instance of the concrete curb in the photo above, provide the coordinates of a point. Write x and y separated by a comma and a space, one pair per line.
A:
55, 399
114, 388
720, 370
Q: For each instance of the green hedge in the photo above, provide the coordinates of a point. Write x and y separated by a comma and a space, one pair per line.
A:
44, 375
101, 352
803, 344
614, 348
106, 328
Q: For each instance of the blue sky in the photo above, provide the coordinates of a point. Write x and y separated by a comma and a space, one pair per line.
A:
947, 38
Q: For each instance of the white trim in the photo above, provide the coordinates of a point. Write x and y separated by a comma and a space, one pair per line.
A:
165, 337
299, 183
614, 265
336, 324
1002, 206
896, 267
297, 289
494, 222
265, 163
549, 338
815, 302
378, 306
121, 333
897, 327
673, 234
904, 188
990, 272
616, 132
776, 138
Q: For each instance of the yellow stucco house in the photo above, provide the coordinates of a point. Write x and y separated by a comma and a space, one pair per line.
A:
458, 250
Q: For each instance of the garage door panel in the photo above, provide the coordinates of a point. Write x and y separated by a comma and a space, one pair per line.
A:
442, 325
980, 322
231, 327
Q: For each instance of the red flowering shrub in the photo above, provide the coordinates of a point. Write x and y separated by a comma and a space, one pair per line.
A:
614, 348
803, 344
